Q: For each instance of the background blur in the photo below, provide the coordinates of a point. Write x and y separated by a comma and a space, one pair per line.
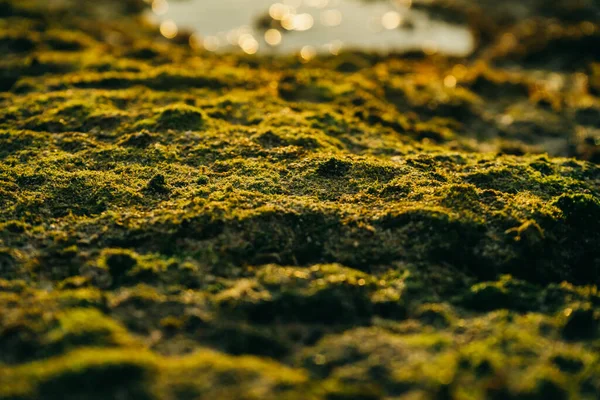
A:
310, 26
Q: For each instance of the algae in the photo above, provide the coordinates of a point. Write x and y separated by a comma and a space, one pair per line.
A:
182, 225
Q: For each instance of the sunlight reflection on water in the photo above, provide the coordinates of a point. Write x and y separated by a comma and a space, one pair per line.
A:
309, 26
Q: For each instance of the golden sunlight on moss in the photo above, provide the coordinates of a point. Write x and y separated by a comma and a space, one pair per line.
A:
217, 214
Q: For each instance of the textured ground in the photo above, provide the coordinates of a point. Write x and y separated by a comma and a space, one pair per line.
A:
179, 225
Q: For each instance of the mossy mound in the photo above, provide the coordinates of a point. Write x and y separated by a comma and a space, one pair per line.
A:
184, 225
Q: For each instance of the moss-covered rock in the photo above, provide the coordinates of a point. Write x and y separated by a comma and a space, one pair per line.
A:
178, 224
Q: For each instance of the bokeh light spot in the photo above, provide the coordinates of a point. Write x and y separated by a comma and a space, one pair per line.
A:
169, 29
391, 20
273, 37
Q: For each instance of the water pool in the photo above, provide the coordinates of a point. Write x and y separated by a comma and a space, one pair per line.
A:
309, 26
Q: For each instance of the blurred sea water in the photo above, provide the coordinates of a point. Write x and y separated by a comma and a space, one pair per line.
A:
309, 26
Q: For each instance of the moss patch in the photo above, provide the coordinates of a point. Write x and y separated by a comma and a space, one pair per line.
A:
177, 224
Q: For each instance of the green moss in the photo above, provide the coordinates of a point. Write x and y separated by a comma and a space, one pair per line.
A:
323, 294
157, 184
579, 209
118, 263
180, 117
333, 168
581, 321
350, 227
86, 327
435, 315
304, 88
92, 373
505, 293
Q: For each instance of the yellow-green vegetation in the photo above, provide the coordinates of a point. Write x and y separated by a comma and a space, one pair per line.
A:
181, 225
